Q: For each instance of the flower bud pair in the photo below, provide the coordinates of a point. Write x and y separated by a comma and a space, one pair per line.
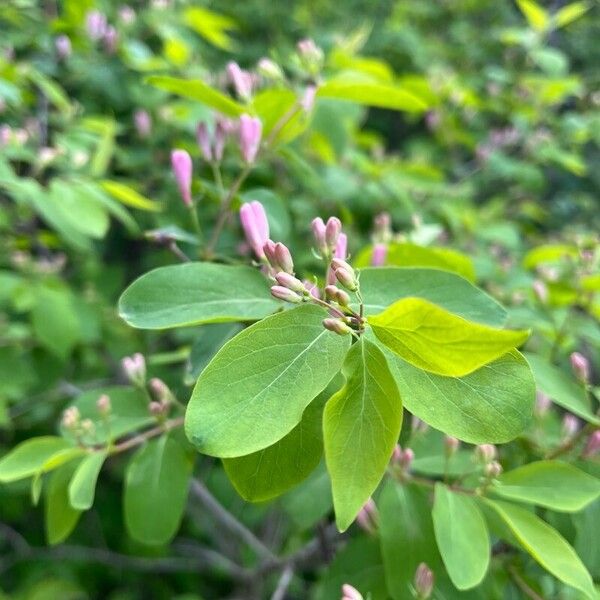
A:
279, 257
250, 132
486, 453
344, 273
337, 326
134, 368
402, 458
334, 293
326, 235
212, 146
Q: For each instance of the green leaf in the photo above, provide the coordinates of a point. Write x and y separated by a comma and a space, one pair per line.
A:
82, 486
571, 12
196, 293
549, 483
129, 196
29, 457
549, 253
129, 412
361, 425
270, 472
382, 286
411, 255
491, 405
156, 490
406, 534
431, 338
61, 517
267, 375
462, 537
546, 546
372, 94
562, 388
211, 26
536, 16
200, 91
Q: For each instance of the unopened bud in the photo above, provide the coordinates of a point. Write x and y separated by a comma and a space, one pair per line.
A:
542, 403
333, 228
379, 255
337, 326
540, 290
250, 132
310, 54
284, 258
134, 368
142, 122
312, 288
290, 282
285, 294
256, 226
368, 517
402, 458
110, 39
493, 469
160, 391
103, 405
308, 98
451, 445
581, 367
347, 279
269, 69
319, 232
71, 417
349, 592
334, 293
156, 408
96, 25
423, 581
87, 426
240, 79
181, 163
592, 446
204, 141
63, 46
570, 426
486, 452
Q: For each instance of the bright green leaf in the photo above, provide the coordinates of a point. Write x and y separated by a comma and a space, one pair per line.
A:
462, 537
271, 472
267, 375
536, 16
195, 293
29, 457
130, 197
156, 490
361, 425
549, 253
82, 486
61, 517
549, 483
211, 26
493, 404
199, 91
382, 286
567, 14
372, 94
546, 546
431, 338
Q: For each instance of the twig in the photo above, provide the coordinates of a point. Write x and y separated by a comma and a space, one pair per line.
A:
522, 585
570, 444
139, 439
283, 584
227, 520
178, 252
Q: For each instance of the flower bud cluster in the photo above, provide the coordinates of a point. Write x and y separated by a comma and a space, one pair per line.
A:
134, 368
402, 458
212, 144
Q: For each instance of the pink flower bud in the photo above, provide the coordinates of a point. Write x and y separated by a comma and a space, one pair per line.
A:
240, 79
368, 517
346, 278
570, 426
127, 15
110, 39
204, 141
160, 391
134, 368
379, 255
250, 133
337, 326
540, 290
285, 294
423, 581
63, 46
310, 54
156, 408
349, 592
96, 25
256, 226
580, 366
332, 231
312, 288
341, 248
284, 258
592, 446
269, 251
402, 458
181, 162
290, 282
269, 69
103, 405
308, 98
486, 452
493, 469
542, 403
223, 128
5, 134
71, 417
451, 445
333, 292
142, 122
319, 232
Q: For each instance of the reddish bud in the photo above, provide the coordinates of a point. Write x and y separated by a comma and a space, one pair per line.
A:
337, 326
256, 226
240, 79
63, 46
308, 98
284, 258
142, 122
368, 517
486, 452
379, 255
250, 132
580, 366
204, 141
592, 446
332, 231
182, 169
349, 592
285, 294
290, 282
423, 581
312, 288
570, 426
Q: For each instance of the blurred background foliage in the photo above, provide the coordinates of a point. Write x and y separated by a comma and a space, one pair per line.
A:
503, 160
